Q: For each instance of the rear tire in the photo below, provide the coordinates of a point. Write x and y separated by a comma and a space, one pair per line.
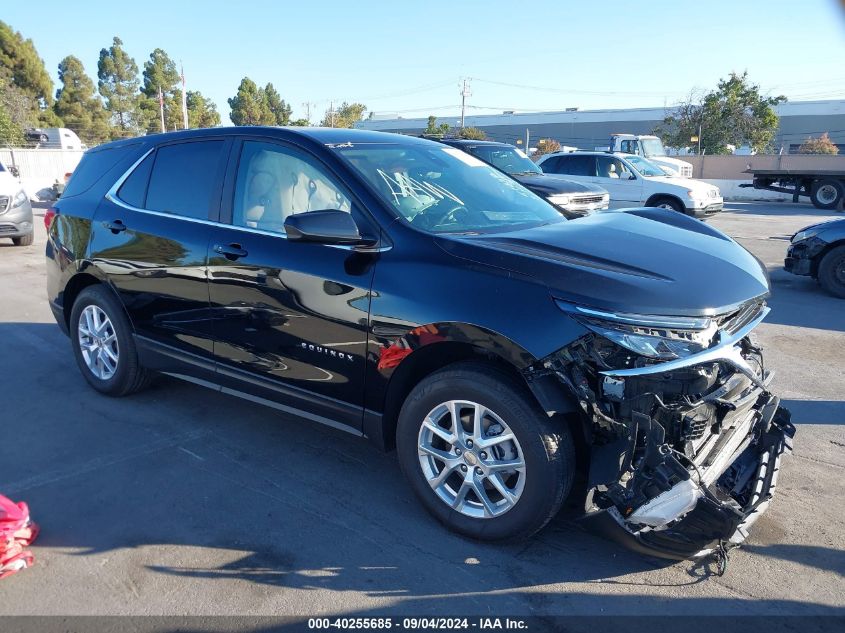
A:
826, 194
832, 272
488, 397
102, 342
668, 203
25, 240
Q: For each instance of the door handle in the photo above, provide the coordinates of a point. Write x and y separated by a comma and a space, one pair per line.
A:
115, 227
230, 251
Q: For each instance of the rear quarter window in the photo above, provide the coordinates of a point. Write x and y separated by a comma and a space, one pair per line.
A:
96, 164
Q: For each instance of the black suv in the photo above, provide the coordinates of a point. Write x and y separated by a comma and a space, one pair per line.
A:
573, 199
387, 286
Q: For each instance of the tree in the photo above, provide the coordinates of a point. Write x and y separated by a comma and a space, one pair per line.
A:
347, 115
77, 104
472, 133
436, 130
820, 145
545, 146
201, 111
281, 110
160, 73
118, 84
21, 66
11, 134
249, 105
300, 123
733, 114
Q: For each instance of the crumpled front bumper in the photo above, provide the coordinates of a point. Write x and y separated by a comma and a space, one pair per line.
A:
716, 519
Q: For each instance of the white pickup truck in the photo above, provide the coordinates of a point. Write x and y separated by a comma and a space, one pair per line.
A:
649, 147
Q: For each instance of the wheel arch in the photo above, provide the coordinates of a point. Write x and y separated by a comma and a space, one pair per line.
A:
817, 260
419, 358
88, 277
654, 198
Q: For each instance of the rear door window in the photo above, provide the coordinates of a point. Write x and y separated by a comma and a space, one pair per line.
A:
184, 177
94, 165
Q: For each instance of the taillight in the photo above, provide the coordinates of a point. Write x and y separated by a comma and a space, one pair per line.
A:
49, 214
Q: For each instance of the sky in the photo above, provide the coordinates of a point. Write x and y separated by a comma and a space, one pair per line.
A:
408, 58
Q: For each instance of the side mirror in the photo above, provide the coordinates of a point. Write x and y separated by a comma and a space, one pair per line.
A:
326, 227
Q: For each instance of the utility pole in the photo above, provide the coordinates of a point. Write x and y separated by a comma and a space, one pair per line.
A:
699, 138
161, 108
527, 141
307, 105
464, 94
184, 99
331, 112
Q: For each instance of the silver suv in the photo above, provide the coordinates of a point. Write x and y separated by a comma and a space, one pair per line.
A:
15, 210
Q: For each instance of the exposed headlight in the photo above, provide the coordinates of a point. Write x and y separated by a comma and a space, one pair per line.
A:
663, 338
559, 200
804, 235
19, 199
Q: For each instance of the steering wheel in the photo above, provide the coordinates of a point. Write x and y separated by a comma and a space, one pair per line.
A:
429, 219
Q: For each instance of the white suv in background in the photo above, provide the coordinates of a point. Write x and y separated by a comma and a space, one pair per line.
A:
15, 210
634, 181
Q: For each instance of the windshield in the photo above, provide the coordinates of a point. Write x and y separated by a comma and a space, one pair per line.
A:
645, 167
509, 159
445, 190
653, 147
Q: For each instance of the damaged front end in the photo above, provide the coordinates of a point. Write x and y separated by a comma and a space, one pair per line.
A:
686, 438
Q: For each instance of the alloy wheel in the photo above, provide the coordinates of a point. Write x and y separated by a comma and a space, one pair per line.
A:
98, 342
471, 459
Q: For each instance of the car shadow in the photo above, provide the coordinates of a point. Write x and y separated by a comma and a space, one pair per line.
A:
816, 411
184, 482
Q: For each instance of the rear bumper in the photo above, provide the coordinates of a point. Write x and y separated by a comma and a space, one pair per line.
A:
59, 315
717, 517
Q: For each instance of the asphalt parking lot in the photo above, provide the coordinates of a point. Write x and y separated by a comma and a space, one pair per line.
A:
182, 501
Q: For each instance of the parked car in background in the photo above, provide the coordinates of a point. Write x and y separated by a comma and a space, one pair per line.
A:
574, 199
818, 251
634, 181
15, 210
402, 290
36, 135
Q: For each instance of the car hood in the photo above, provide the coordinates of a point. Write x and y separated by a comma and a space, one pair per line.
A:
646, 261
545, 184
828, 231
686, 183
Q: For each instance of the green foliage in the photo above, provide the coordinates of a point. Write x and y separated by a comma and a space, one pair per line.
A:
733, 114
249, 106
11, 134
160, 72
118, 84
472, 133
435, 130
201, 111
820, 145
21, 66
258, 106
77, 104
281, 110
300, 123
347, 115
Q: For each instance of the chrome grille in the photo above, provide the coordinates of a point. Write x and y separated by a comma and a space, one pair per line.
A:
586, 199
735, 321
8, 228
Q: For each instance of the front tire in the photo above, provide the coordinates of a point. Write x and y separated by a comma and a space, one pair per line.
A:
102, 342
832, 272
24, 240
670, 204
481, 456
